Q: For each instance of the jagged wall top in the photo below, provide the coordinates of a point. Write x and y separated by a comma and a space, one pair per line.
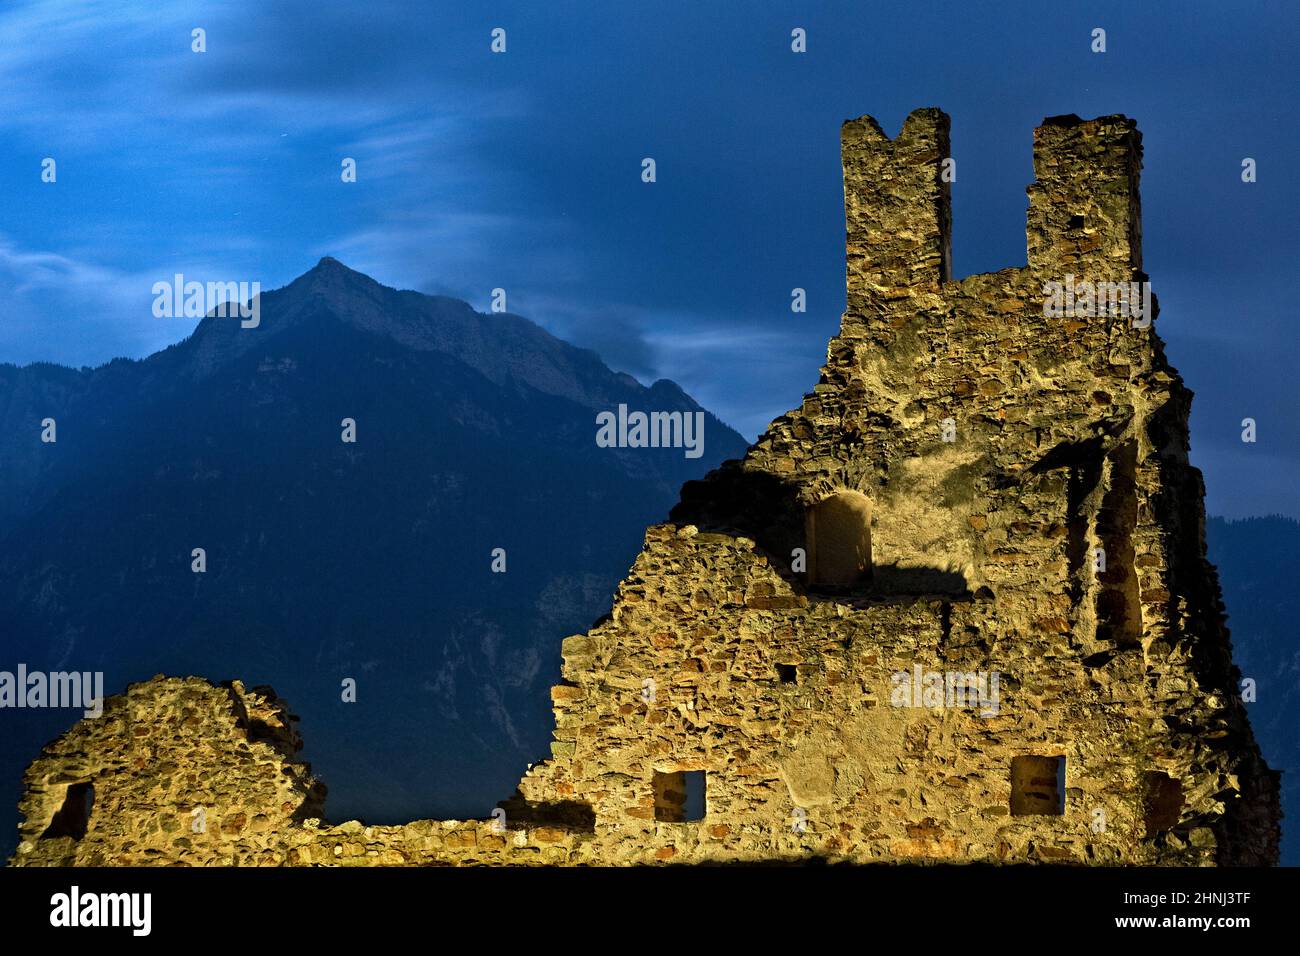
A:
1084, 211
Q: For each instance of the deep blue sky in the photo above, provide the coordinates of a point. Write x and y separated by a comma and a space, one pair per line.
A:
522, 171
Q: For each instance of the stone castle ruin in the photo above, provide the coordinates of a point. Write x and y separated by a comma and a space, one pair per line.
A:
955, 607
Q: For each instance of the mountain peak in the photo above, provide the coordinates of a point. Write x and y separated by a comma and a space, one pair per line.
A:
332, 269
330, 264
339, 286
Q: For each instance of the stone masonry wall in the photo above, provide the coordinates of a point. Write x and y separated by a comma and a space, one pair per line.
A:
997, 451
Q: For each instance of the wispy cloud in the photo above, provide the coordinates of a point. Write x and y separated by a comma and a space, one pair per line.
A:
78, 312
75, 312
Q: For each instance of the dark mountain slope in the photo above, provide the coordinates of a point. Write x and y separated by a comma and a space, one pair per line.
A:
328, 560
1258, 560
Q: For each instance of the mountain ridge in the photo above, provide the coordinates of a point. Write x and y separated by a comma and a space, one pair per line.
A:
504, 347
331, 283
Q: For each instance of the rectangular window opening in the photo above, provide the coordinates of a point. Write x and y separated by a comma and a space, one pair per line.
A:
1037, 786
679, 796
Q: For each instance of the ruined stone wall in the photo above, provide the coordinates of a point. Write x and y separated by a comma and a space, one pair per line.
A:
996, 449
188, 773
160, 752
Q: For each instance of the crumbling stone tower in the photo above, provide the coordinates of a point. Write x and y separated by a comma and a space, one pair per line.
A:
954, 607
978, 488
